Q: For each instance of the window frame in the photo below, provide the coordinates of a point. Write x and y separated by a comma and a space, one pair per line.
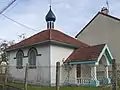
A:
19, 63
32, 63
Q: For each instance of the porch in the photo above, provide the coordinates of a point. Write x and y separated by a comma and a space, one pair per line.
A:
92, 65
93, 75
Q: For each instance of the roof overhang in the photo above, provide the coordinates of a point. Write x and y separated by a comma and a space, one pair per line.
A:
84, 62
105, 51
46, 42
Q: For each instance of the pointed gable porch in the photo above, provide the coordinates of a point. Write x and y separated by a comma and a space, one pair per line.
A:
92, 65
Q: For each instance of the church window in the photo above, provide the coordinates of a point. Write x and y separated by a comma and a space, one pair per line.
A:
19, 59
32, 58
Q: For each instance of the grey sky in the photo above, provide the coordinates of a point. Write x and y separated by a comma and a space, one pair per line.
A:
72, 15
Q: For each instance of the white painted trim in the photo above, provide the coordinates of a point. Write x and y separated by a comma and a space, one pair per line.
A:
100, 56
109, 52
93, 73
106, 72
102, 53
108, 63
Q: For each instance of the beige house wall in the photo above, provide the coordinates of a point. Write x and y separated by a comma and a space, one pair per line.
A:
101, 30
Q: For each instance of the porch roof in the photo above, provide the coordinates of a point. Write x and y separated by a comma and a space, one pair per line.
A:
86, 54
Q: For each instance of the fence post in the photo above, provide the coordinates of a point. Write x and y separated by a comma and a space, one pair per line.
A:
3, 73
114, 75
26, 75
0, 74
57, 75
6, 74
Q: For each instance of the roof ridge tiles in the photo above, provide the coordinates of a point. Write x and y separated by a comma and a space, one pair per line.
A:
49, 34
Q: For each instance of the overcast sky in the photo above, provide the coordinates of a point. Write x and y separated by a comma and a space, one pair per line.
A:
72, 15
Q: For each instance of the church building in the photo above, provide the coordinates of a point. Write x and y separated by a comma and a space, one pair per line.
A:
78, 60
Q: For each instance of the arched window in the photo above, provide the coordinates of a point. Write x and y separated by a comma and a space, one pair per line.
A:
32, 58
19, 59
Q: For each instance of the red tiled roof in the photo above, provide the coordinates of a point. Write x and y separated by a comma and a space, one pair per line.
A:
85, 54
48, 35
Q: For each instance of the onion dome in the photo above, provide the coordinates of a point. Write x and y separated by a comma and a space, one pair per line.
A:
50, 16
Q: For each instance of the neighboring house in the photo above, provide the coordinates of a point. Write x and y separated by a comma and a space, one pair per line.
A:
103, 28
78, 60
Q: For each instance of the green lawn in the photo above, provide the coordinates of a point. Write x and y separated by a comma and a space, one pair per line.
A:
30, 87
68, 88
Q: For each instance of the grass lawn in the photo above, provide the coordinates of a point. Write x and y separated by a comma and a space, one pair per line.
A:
68, 88
30, 87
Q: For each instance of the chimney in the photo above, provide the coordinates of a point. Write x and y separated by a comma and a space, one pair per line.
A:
104, 10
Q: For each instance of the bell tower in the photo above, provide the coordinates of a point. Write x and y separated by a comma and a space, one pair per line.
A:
50, 19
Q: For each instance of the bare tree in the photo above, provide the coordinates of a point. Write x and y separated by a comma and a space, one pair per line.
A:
4, 44
21, 36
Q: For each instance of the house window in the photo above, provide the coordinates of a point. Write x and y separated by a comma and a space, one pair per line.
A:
32, 58
19, 59
78, 70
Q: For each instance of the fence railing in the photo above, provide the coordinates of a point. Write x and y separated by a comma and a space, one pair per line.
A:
83, 80
40, 75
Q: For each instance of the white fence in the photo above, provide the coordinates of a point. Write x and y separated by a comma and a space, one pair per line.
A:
83, 81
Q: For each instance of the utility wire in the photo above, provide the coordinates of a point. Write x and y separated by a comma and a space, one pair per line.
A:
5, 8
15, 4
18, 23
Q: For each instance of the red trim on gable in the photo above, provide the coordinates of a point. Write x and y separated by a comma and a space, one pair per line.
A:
94, 18
87, 24
110, 16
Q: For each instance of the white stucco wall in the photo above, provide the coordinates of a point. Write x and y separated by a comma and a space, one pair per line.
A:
13, 71
103, 30
46, 65
58, 53
41, 73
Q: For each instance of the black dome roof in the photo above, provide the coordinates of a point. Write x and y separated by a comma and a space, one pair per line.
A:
50, 16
